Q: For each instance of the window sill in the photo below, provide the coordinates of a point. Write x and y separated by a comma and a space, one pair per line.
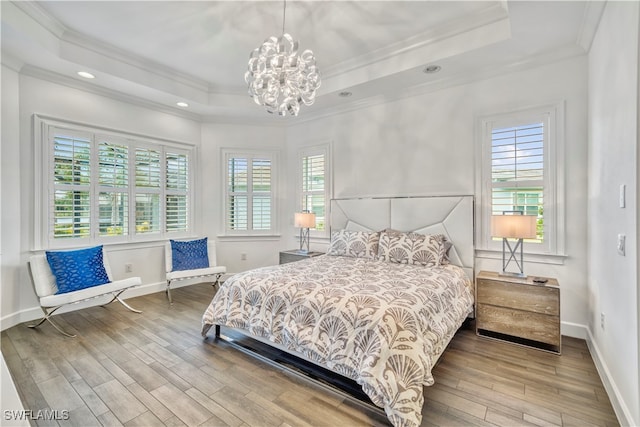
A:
116, 245
556, 259
248, 237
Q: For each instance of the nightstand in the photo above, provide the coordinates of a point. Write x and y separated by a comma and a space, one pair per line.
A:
518, 310
296, 255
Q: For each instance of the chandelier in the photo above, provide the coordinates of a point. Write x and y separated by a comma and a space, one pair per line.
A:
279, 78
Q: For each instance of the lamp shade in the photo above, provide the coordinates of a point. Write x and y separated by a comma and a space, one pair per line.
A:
514, 226
305, 220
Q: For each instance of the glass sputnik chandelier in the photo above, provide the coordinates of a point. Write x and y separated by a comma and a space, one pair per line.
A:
278, 78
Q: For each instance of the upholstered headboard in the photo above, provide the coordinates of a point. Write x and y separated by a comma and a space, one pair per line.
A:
448, 215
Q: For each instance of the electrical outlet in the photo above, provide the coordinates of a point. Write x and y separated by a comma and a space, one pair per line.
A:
602, 320
128, 268
243, 257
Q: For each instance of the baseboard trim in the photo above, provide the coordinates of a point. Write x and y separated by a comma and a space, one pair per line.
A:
574, 330
617, 401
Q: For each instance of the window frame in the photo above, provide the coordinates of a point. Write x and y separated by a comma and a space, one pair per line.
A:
45, 129
552, 115
320, 149
250, 155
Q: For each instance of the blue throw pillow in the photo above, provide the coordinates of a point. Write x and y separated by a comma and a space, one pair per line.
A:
189, 255
79, 269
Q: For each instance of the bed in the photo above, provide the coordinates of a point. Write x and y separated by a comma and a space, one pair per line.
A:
379, 308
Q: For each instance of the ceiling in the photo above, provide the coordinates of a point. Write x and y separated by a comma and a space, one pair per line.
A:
159, 53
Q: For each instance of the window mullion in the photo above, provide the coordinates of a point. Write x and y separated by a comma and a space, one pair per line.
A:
132, 191
93, 192
250, 194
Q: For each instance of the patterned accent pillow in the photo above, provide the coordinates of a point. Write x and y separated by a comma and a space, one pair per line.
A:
79, 269
189, 254
355, 244
412, 248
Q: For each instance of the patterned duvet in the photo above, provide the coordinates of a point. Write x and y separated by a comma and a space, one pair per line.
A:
381, 324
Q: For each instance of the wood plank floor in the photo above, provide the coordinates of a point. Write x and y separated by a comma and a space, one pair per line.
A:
154, 369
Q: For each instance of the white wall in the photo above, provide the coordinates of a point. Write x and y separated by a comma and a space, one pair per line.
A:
613, 139
10, 212
425, 145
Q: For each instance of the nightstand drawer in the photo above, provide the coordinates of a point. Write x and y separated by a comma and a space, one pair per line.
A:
533, 298
523, 324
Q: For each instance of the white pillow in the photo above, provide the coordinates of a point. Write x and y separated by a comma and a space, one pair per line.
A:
412, 248
355, 244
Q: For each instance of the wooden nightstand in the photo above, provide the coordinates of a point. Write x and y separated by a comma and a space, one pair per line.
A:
296, 255
518, 310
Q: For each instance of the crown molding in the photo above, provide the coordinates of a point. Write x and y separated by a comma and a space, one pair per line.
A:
593, 11
121, 56
39, 73
39, 15
495, 13
310, 114
488, 72
11, 62
73, 45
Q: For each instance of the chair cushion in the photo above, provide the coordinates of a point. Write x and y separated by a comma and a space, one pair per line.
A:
189, 254
77, 269
94, 291
201, 272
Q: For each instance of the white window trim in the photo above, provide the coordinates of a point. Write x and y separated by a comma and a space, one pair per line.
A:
553, 250
43, 185
273, 155
311, 150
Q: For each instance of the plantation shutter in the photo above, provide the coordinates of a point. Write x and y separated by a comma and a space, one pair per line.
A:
113, 188
517, 170
102, 187
249, 193
148, 179
238, 194
177, 192
71, 202
261, 186
313, 187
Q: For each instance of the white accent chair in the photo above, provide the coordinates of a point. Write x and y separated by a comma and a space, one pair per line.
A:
45, 286
213, 272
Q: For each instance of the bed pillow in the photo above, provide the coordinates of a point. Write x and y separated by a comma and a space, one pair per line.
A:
355, 244
78, 269
189, 254
412, 248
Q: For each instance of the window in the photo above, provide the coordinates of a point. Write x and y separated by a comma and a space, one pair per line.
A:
517, 171
520, 154
109, 187
249, 196
314, 186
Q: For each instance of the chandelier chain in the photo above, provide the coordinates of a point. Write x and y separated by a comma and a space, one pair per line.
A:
281, 78
284, 14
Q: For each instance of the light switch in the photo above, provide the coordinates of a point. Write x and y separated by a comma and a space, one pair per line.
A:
623, 196
621, 244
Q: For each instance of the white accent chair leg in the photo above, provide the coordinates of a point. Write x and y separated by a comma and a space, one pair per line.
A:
47, 317
168, 291
117, 297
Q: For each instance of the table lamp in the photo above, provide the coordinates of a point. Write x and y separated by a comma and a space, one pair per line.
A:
513, 225
304, 221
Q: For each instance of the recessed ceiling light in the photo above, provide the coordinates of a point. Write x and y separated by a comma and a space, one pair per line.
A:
431, 69
86, 75
182, 104
345, 94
